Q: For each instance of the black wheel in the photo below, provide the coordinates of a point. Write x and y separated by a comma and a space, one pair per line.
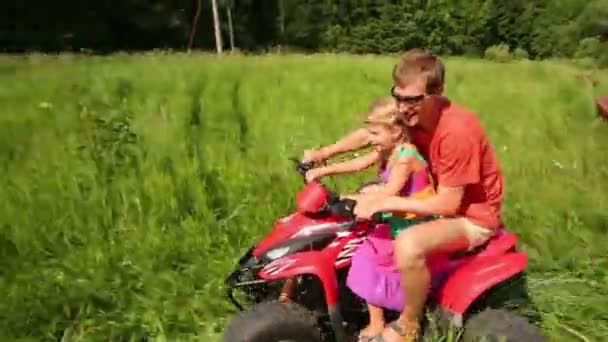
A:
500, 325
274, 322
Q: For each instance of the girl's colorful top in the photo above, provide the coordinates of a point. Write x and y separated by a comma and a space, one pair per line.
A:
419, 185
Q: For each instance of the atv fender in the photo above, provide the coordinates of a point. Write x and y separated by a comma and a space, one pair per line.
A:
318, 264
469, 281
312, 262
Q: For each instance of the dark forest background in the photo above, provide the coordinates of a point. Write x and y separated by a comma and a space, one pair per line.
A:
536, 28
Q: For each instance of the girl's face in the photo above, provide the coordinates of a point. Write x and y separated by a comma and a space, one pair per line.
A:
385, 138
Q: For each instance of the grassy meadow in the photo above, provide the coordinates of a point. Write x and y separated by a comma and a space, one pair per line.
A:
131, 183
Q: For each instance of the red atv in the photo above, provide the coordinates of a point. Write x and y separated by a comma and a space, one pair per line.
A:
306, 257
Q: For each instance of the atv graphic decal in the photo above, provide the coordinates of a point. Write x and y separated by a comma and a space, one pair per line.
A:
323, 227
278, 266
349, 250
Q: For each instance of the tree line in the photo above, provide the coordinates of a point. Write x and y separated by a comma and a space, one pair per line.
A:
541, 28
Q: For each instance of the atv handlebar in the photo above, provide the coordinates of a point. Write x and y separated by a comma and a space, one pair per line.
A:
346, 208
302, 168
338, 206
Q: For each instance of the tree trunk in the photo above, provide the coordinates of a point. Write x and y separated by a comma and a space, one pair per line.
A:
230, 31
216, 27
281, 6
602, 107
194, 25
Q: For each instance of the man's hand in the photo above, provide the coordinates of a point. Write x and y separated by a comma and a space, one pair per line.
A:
354, 197
368, 204
370, 189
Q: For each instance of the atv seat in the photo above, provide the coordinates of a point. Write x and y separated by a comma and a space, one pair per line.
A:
497, 244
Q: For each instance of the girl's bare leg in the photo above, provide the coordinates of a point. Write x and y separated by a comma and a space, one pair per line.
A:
376, 322
287, 290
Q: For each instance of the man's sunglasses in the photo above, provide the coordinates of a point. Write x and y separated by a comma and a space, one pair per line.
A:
407, 99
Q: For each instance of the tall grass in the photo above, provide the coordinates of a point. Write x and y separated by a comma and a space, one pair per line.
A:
131, 183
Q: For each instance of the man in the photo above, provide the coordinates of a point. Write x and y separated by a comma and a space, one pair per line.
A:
466, 172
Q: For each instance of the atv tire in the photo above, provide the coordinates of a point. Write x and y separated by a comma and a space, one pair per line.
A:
273, 322
500, 325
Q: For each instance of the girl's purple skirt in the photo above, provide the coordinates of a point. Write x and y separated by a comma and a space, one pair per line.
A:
373, 275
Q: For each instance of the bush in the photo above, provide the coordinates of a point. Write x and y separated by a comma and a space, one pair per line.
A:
520, 53
498, 53
592, 51
586, 62
589, 47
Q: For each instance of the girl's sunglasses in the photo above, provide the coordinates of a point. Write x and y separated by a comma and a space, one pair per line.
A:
411, 100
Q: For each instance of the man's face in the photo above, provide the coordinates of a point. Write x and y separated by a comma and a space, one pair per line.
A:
412, 101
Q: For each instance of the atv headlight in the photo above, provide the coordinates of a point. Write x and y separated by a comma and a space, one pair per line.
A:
277, 252
315, 242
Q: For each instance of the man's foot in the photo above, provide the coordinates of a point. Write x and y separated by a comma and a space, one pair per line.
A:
396, 331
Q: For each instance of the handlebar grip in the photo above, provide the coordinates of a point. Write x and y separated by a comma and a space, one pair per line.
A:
301, 167
348, 207
344, 208
332, 198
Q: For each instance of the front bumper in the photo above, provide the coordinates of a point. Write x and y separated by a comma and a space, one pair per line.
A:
245, 278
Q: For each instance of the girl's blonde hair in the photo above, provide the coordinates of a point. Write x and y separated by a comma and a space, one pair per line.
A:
384, 112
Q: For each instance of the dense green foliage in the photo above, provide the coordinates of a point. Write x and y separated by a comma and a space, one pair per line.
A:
542, 28
131, 184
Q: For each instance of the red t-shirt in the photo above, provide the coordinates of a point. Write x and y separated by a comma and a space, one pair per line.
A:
459, 154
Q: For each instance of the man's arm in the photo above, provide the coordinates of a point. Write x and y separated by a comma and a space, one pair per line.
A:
457, 167
354, 140
445, 203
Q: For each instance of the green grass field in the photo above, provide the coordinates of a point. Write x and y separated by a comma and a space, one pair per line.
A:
130, 184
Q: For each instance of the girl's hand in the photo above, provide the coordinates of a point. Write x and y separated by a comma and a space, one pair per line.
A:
314, 174
313, 156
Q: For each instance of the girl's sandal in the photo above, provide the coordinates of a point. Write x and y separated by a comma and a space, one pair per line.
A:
361, 337
398, 328
366, 338
284, 298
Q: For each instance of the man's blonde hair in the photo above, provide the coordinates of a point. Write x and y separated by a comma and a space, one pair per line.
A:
416, 64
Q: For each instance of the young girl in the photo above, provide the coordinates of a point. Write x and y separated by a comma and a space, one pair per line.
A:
402, 171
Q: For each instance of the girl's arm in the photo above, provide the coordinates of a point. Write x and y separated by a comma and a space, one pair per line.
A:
349, 166
354, 140
400, 172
